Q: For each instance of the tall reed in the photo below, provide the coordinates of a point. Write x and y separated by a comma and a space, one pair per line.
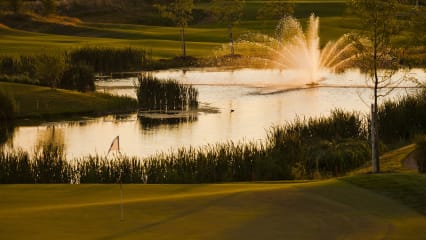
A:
156, 94
403, 119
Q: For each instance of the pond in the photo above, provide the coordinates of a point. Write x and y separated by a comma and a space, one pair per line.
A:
237, 105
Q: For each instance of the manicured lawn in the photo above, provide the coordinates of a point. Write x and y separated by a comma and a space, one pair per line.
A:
314, 210
409, 189
36, 101
164, 41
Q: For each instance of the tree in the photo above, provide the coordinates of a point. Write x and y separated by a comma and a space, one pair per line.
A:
230, 12
49, 6
49, 69
276, 10
378, 57
15, 5
418, 24
180, 12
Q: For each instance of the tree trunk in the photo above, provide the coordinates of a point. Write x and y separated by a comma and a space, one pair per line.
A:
374, 141
182, 36
374, 126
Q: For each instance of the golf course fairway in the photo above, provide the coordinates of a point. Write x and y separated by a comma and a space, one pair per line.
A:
330, 209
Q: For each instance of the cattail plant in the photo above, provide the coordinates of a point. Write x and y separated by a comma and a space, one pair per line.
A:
156, 94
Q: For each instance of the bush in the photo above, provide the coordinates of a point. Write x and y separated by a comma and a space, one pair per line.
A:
421, 153
49, 69
6, 131
80, 78
7, 107
107, 60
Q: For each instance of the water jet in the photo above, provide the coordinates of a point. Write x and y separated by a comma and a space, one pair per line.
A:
294, 49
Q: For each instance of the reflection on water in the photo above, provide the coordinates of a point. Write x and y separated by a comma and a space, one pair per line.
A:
248, 103
52, 137
148, 122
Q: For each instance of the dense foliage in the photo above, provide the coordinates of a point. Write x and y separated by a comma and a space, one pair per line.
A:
7, 107
74, 70
107, 60
78, 77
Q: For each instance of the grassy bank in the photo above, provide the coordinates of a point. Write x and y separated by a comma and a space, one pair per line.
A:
35, 101
281, 210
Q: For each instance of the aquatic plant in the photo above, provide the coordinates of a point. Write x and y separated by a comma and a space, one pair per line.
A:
156, 94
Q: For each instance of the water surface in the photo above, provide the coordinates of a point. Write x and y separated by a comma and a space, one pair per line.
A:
258, 98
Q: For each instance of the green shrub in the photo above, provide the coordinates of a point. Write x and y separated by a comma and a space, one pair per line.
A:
7, 107
7, 129
107, 60
49, 69
79, 77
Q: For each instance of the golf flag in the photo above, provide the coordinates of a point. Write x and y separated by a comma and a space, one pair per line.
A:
115, 145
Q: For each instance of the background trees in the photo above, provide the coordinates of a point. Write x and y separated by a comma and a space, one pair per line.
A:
230, 12
15, 5
180, 12
276, 10
49, 6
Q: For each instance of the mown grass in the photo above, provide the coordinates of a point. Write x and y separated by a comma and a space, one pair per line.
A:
396, 182
409, 189
278, 210
36, 101
202, 38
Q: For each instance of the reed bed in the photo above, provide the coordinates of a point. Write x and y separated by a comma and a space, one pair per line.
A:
300, 150
402, 120
156, 94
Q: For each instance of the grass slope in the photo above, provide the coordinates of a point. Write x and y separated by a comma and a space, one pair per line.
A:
316, 210
36, 101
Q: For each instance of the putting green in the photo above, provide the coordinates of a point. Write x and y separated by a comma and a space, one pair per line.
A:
329, 209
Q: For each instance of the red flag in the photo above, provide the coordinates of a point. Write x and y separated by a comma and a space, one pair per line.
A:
115, 145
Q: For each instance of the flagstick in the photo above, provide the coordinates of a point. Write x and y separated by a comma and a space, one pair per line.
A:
121, 200
121, 203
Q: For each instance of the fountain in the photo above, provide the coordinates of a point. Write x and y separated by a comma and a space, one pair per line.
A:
294, 49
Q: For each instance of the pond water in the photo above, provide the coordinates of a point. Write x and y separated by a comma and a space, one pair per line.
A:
239, 105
